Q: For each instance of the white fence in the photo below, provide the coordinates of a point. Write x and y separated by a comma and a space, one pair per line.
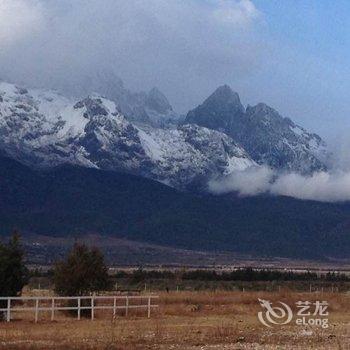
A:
52, 304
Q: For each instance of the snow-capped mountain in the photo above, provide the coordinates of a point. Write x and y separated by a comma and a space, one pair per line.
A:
44, 129
144, 108
266, 136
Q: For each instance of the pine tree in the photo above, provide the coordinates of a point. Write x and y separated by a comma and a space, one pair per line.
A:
83, 272
13, 272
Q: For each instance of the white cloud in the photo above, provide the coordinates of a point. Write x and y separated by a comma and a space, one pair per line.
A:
18, 18
321, 186
249, 182
186, 48
242, 12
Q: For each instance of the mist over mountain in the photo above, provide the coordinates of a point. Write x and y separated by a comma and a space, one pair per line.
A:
44, 129
141, 134
88, 164
66, 45
142, 107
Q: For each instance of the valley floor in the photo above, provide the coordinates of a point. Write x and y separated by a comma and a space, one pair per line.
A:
188, 321
42, 251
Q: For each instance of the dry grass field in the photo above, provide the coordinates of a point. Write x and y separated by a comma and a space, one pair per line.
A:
186, 320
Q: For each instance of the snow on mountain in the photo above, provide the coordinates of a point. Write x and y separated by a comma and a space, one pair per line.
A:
267, 137
31, 126
144, 108
189, 153
283, 144
44, 129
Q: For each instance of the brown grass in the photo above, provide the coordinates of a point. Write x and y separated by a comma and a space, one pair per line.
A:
187, 320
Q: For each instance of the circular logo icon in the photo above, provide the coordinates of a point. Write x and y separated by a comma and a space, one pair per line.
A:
274, 315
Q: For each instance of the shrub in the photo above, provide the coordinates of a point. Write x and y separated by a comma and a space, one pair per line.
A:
82, 273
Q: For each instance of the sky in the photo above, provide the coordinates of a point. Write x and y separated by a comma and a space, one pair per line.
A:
309, 76
293, 55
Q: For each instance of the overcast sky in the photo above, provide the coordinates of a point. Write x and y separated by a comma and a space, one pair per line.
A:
292, 54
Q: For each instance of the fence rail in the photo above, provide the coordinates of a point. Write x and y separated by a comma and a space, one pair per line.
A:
52, 305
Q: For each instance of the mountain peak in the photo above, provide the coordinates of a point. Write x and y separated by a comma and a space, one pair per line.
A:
157, 101
155, 92
218, 111
224, 95
262, 109
266, 136
225, 88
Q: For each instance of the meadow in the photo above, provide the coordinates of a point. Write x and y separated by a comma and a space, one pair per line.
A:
186, 320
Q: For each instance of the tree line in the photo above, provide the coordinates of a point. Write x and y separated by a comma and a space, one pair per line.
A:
242, 274
84, 271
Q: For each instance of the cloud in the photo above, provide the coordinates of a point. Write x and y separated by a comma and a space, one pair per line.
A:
236, 12
321, 186
19, 18
170, 44
249, 182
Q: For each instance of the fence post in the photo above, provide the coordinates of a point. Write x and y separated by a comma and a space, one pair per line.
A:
36, 309
149, 307
79, 303
126, 305
52, 308
92, 308
8, 317
114, 307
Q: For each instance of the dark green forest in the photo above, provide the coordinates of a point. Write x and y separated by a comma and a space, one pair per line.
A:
73, 201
